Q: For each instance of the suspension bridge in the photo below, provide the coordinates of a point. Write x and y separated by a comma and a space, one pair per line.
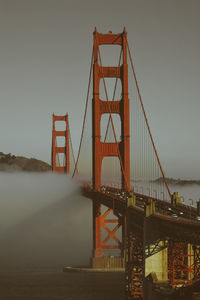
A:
138, 223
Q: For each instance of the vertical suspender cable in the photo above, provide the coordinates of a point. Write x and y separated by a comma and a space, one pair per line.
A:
142, 105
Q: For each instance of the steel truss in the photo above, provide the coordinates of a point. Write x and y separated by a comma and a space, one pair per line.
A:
100, 222
184, 263
155, 247
134, 264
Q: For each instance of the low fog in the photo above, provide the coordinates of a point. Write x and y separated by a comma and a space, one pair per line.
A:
189, 192
44, 221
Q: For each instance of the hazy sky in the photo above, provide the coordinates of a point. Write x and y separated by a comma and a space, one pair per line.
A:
44, 65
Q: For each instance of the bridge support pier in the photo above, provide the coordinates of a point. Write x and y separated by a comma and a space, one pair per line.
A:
134, 266
196, 251
135, 261
107, 226
158, 262
145, 254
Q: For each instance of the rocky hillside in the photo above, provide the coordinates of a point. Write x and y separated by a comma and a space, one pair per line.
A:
12, 163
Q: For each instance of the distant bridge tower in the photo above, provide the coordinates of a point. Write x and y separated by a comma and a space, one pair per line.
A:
101, 149
57, 165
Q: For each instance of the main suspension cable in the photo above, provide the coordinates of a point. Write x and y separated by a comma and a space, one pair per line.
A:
70, 140
85, 113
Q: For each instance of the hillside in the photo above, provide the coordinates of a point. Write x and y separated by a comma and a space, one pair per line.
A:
179, 181
12, 163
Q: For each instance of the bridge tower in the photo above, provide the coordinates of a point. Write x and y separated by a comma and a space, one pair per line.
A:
101, 149
57, 165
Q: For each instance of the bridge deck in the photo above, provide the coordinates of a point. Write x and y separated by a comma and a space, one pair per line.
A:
179, 222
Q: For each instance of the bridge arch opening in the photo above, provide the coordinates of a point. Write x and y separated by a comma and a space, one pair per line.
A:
60, 159
111, 172
107, 134
60, 125
60, 141
113, 87
110, 55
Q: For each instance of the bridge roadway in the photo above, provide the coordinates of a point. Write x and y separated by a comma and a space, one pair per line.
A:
178, 222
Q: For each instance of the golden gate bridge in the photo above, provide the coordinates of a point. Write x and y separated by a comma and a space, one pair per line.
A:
145, 228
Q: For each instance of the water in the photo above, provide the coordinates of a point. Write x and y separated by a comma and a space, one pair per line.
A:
54, 284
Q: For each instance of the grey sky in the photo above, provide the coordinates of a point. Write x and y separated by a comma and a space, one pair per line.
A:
44, 65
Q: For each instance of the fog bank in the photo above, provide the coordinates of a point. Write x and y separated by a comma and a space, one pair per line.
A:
189, 192
44, 221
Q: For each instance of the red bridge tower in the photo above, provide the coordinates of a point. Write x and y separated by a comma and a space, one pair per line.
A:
120, 149
57, 166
